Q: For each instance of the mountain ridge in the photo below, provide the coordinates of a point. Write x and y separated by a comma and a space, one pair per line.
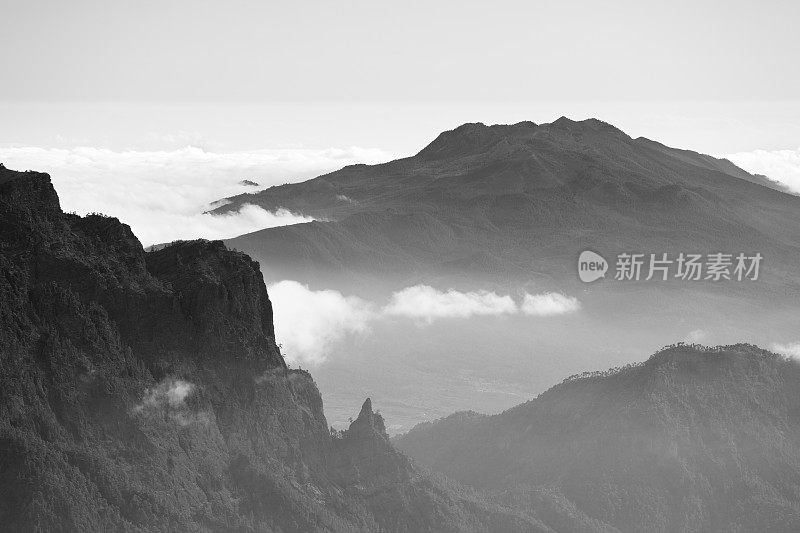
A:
471, 139
693, 438
528, 187
510, 213
145, 391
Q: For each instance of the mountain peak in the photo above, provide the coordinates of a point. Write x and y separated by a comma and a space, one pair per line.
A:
563, 121
368, 423
587, 125
472, 137
689, 358
476, 137
366, 410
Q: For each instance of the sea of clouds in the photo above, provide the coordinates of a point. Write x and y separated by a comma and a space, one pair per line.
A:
162, 195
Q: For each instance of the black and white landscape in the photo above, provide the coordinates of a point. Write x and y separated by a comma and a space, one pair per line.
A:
440, 267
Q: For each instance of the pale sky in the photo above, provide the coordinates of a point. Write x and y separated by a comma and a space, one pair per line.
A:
111, 97
630, 50
719, 76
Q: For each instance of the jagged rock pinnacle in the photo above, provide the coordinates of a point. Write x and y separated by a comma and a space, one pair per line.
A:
366, 410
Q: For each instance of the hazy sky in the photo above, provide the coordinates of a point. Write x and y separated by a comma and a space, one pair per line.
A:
149, 110
717, 76
399, 51
107, 96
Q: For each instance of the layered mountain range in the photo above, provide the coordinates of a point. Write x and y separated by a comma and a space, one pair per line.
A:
509, 208
145, 392
693, 439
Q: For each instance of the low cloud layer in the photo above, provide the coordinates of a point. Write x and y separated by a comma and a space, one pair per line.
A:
167, 400
162, 194
782, 166
427, 304
174, 226
789, 350
170, 393
549, 304
309, 323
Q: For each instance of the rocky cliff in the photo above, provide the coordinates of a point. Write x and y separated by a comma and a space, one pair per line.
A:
145, 391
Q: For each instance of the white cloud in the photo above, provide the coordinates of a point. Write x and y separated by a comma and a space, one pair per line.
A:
789, 350
696, 336
174, 226
169, 393
426, 304
162, 194
167, 400
549, 303
780, 165
308, 323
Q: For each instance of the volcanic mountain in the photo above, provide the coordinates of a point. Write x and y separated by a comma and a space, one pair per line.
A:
509, 208
519, 202
693, 439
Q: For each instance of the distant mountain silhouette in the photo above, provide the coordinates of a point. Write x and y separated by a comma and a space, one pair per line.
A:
509, 208
693, 439
518, 202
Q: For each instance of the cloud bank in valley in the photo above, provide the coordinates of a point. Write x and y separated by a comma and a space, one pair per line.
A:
162, 194
427, 304
782, 166
309, 323
548, 304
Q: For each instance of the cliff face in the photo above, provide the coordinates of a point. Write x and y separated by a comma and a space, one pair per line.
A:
145, 391
139, 389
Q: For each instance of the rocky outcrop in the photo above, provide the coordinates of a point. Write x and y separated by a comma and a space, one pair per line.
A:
131, 382
366, 454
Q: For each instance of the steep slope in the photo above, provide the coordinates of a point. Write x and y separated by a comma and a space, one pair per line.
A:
145, 391
693, 439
